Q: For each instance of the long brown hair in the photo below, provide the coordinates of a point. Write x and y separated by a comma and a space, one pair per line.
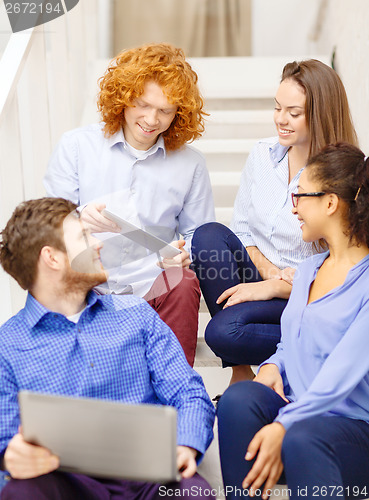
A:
327, 111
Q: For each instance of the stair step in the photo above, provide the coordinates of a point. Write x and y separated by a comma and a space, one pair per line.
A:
224, 215
239, 124
236, 103
225, 178
229, 146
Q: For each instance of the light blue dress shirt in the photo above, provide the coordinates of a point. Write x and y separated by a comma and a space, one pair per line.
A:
323, 355
263, 207
167, 193
118, 350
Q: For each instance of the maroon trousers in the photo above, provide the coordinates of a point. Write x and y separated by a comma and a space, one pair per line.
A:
63, 486
175, 296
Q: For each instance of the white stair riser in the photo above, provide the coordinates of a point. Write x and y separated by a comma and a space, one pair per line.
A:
238, 130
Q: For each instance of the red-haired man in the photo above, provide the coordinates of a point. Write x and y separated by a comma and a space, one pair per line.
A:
137, 164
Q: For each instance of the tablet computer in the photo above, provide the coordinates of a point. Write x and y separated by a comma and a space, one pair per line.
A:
142, 237
103, 438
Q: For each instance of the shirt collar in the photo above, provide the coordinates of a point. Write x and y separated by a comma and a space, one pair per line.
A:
118, 138
277, 152
34, 310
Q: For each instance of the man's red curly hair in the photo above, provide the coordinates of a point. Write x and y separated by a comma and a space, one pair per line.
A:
124, 81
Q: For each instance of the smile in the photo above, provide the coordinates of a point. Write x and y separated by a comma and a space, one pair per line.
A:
284, 131
146, 130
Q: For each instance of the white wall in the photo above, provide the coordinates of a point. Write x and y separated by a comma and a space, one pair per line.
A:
283, 27
300, 28
346, 27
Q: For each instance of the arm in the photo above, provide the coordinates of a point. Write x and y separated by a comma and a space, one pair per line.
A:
260, 290
268, 270
198, 207
345, 368
22, 460
61, 178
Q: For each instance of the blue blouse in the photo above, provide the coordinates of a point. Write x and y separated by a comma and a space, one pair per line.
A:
323, 355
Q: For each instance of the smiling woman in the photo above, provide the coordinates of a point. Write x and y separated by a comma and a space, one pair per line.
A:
247, 288
308, 412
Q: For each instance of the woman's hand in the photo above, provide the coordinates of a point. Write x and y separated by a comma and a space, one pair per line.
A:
269, 375
246, 292
268, 467
287, 274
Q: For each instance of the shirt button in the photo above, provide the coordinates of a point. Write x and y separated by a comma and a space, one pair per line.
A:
92, 365
133, 191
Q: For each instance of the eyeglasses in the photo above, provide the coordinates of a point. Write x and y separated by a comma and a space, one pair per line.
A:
296, 196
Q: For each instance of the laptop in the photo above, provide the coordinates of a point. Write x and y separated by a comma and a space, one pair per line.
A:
142, 237
103, 438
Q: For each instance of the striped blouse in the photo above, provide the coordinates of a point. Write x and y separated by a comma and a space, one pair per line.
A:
263, 208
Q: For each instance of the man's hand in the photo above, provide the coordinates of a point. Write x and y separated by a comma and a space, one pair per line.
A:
186, 461
95, 221
268, 467
180, 260
24, 460
245, 292
269, 375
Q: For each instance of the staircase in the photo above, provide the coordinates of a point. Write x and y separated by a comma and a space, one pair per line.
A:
239, 95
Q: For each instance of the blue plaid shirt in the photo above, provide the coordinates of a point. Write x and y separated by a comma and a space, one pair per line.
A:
118, 350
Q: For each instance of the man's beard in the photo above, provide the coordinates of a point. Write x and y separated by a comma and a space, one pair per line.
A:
77, 282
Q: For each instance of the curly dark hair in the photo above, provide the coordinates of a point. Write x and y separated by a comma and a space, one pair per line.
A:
125, 79
343, 169
33, 225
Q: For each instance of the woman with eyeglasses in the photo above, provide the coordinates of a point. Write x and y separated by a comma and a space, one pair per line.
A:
246, 274
307, 411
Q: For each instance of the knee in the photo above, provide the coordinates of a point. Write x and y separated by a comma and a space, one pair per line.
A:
203, 238
243, 396
215, 335
220, 332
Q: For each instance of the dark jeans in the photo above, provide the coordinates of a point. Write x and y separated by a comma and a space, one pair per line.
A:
245, 333
62, 486
323, 456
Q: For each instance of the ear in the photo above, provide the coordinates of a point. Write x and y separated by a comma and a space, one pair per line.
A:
52, 258
332, 203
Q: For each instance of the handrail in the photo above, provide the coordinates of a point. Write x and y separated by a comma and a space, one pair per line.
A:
44, 72
12, 63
